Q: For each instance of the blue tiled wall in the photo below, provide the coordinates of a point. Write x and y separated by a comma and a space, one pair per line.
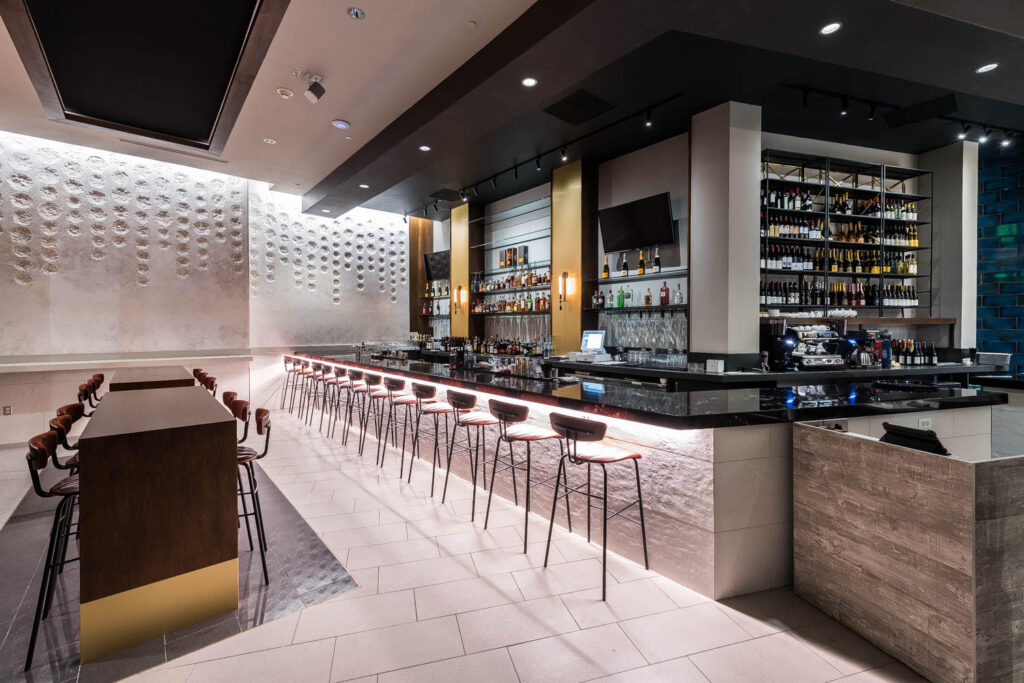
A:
1001, 254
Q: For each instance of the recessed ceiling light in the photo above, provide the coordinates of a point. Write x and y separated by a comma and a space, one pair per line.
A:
985, 68
471, 24
285, 93
529, 82
325, 210
340, 124
829, 29
348, 137
424, 148
356, 13
270, 141
364, 186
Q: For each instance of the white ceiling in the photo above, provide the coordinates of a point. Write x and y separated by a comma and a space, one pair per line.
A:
373, 70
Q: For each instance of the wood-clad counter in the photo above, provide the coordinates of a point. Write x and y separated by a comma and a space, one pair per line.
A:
159, 377
159, 543
919, 553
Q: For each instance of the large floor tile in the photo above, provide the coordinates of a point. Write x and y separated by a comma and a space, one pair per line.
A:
890, 673
513, 559
519, 622
680, 670
493, 666
304, 663
841, 647
771, 611
681, 632
396, 647
463, 596
426, 572
556, 579
577, 656
392, 553
340, 617
778, 658
624, 601
478, 540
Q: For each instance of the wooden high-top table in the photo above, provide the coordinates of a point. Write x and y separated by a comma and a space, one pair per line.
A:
158, 377
159, 536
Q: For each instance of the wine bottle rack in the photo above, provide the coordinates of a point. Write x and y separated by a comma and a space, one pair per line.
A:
826, 178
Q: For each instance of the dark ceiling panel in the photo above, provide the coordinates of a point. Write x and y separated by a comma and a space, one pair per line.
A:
175, 72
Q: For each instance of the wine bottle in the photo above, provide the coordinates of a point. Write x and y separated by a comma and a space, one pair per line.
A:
640, 263
664, 294
657, 261
624, 265
605, 272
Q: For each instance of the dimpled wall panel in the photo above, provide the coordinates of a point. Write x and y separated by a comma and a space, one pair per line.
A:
102, 252
325, 281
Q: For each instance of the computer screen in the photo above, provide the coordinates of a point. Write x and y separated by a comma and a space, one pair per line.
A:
593, 341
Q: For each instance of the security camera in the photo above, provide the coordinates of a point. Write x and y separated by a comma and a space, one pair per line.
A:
314, 92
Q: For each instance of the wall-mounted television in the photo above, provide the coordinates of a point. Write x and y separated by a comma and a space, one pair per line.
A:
643, 223
438, 265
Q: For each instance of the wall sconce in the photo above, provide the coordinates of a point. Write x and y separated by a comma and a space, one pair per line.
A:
460, 298
566, 287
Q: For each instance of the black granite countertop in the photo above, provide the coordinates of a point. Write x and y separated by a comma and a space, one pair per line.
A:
753, 378
1000, 381
720, 407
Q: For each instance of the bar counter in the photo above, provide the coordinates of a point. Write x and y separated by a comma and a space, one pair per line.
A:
717, 466
700, 409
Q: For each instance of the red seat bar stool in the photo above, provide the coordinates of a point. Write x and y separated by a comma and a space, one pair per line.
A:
468, 418
246, 457
302, 375
291, 369
353, 397
422, 395
97, 383
584, 445
83, 398
328, 380
394, 389
228, 397
210, 383
41, 449
61, 425
435, 409
311, 374
370, 395
512, 428
337, 386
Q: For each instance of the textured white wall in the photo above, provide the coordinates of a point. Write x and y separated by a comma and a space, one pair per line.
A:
107, 253
325, 281
102, 252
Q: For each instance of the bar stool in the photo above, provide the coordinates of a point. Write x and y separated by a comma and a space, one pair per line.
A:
584, 446
210, 384
61, 425
435, 409
394, 389
228, 397
246, 457
355, 381
291, 369
83, 398
97, 380
512, 428
466, 417
311, 374
41, 449
196, 372
370, 396
302, 371
328, 383
336, 385
422, 395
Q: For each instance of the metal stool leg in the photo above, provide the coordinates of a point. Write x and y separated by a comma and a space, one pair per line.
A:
640, 503
554, 505
245, 509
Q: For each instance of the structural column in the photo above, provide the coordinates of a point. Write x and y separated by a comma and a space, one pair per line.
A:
573, 249
466, 233
725, 158
421, 241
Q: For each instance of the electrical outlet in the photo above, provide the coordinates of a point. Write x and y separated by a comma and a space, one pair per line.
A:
924, 423
8, 410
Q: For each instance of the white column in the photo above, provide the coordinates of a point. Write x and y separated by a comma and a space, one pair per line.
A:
954, 253
725, 159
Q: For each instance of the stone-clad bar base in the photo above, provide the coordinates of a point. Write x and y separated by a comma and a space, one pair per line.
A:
117, 621
921, 554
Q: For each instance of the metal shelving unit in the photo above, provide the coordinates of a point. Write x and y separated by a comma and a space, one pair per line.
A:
824, 178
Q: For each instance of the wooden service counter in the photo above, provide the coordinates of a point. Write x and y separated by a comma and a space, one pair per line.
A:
158, 377
159, 537
921, 554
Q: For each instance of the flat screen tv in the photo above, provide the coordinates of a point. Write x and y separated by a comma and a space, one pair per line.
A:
438, 265
643, 223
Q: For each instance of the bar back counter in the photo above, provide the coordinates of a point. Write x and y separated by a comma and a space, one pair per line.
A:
921, 554
717, 465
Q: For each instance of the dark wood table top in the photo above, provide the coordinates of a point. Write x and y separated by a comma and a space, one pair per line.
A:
160, 376
147, 410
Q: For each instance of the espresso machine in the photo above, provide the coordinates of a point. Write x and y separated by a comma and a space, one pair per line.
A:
819, 346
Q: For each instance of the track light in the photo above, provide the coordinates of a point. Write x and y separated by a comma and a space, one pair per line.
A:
405, 218
647, 119
462, 195
984, 135
494, 182
565, 157
1006, 142
844, 106
872, 111
475, 192
537, 162
426, 207
962, 135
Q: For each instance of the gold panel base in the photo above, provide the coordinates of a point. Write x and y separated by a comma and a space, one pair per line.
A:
137, 615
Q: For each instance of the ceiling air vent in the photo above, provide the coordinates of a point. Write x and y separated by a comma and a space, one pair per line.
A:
579, 107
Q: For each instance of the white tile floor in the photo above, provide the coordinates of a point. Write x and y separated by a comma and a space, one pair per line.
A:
440, 599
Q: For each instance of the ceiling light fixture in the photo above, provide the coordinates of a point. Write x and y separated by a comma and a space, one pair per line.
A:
475, 192
341, 124
565, 157
270, 141
1006, 140
529, 82
515, 173
985, 68
325, 210
364, 186
284, 93
984, 135
424, 148
405, 218
538, 163
829, 29
962, 135
844, 106
356, 13
462, 195
494, 182
647, 119
872, 111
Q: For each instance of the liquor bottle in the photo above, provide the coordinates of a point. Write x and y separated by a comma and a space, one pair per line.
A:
620, 299
600, 299
446, 288
648, 298
605, 272
640, 263
664, 295
593, 300
934, 356
657, 261
677, 296
501, 259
